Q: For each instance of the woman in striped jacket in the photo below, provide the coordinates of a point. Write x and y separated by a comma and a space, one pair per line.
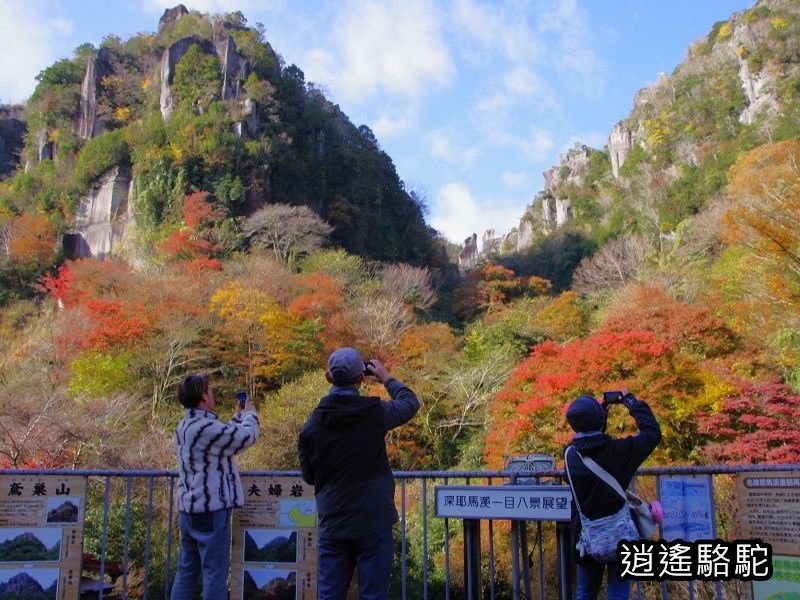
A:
208, 487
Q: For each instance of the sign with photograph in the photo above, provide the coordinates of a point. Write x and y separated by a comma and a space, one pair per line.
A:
41, 535
274, 552
688, 513
769, 509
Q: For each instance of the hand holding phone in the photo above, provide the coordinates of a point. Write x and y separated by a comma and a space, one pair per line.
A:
614, 397
242, 397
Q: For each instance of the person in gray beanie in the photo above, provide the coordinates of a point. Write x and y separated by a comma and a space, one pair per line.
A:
342, 452
620, 457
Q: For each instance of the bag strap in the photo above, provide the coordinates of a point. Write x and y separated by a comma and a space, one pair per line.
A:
569, 477
603, 474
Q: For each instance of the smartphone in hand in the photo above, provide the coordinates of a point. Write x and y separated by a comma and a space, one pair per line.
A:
242, 397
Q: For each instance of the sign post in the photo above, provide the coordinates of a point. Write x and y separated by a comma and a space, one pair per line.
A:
41, 534
517, 503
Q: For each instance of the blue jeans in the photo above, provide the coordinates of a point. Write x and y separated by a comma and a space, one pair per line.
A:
590, 576
337, 559
206, 550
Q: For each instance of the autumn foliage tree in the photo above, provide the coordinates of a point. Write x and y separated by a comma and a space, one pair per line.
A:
527, 415
193, 246
756, 424
694, 329
32, 240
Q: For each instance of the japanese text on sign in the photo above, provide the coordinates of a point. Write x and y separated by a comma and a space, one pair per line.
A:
534, 503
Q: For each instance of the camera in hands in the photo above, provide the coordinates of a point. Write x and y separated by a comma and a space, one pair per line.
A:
614, 397
242, 398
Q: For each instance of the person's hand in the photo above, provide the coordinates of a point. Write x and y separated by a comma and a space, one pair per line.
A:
249, 406
628, 399
376, 369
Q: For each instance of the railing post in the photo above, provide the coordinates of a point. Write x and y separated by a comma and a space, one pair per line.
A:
472, 559
515, 592
524, 557
564, 561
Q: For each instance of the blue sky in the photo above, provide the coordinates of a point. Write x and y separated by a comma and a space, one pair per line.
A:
472, 99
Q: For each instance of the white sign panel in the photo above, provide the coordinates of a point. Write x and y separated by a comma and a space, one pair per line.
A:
515, 502
688, 511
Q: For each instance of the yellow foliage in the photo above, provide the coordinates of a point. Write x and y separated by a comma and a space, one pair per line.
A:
176, 151
561, 319
778, 23
713, 391
725, 31
741, 52
255, 333
122, 114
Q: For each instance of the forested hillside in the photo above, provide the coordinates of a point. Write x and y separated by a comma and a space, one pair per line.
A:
258, 229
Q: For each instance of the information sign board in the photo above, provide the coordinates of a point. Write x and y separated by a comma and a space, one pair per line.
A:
512, 502
687, 503
274, 553
769, 509
41, 535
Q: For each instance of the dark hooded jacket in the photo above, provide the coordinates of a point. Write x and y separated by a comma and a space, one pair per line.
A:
620, 457
342, 452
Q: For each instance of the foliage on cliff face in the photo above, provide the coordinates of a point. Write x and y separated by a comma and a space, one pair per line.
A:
278, 141
685, 290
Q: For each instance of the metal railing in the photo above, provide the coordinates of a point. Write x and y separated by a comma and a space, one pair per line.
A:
130, 518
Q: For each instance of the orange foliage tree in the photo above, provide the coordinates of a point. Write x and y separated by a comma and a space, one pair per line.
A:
32, 240
764, 185
527, 415
694, 329
321, 296
262, 342
193, 247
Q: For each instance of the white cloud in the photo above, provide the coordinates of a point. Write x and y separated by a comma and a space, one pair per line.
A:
572, 53
393, 47
443, 146
215, 6
30, 41
458, 214
516, 179
394, 123
505, 34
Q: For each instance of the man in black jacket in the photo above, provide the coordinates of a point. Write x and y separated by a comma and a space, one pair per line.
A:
621, 458
342, 451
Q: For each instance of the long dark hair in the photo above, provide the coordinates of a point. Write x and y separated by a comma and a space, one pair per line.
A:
191, 390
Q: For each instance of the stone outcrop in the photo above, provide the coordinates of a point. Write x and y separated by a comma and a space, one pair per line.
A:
556, 204
468, 257
101, 217
12, 139
87, 124
45, 149
620, 143
759, 86
171, 16
234, 66
169, 59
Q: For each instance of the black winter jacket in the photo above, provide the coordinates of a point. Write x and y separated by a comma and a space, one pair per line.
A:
620, 457
342, 452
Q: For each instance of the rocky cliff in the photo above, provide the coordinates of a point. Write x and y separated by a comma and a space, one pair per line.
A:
12, 139
101, 218
751, 44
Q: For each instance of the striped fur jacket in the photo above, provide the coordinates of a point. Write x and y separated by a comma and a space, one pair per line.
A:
208, 478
